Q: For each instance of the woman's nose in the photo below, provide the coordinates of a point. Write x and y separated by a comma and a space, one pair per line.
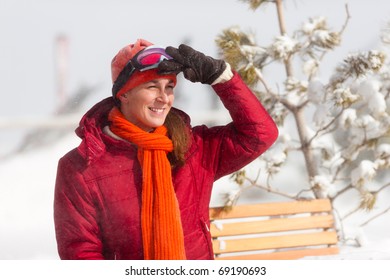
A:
163, 96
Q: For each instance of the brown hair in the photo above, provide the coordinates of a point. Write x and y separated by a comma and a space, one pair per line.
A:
179, 133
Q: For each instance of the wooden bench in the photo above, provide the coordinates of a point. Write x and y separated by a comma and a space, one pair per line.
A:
270, 231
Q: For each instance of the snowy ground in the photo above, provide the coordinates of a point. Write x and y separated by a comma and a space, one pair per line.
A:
26, 199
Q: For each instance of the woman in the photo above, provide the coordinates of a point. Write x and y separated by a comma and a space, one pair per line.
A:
139, 184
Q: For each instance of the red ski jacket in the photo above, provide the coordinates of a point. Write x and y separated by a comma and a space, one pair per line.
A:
98, 186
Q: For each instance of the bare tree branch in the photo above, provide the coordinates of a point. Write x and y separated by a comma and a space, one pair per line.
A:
347, 188
324, 128
268, 189
283, 31
382, 188
375, 217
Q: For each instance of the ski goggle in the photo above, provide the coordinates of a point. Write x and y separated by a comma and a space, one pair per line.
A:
148, 58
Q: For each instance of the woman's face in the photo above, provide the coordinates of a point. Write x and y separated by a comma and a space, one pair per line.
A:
148, 104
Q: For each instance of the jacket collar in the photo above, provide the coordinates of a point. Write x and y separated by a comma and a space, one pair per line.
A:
89, 130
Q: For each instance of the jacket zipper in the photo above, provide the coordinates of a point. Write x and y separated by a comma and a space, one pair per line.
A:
207, 227
208, 241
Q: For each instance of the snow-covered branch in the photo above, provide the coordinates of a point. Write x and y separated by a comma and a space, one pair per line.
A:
342, 122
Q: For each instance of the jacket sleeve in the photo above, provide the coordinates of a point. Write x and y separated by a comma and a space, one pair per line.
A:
250, 134
77, 231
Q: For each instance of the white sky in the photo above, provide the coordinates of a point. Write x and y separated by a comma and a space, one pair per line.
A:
97, 29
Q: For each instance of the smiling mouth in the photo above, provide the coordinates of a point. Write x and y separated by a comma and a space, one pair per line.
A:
157, 110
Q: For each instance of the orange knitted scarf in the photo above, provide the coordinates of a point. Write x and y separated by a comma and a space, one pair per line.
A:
162, 231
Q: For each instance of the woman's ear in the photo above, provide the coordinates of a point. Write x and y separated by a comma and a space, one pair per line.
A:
123, 98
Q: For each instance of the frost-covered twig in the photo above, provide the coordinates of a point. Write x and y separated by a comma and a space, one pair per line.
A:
275, 96
382, 212
351, 212
346, 162
347, 188
325, 127
348, 17
307, 151
375, 217
372, 194
240, 178
268, 189
283, 31
382, 188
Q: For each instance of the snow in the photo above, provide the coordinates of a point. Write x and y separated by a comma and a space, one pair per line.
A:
26, 198
276, 155
323, 183
314, 24
310, 67
363, 173
383, 150
321, 115
283, 46
348, 117
315, 90
369, 90
366, 127
345, 95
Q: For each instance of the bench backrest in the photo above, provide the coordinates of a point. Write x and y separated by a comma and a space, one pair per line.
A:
279, 230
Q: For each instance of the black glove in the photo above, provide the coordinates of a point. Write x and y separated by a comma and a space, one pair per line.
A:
196, 66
